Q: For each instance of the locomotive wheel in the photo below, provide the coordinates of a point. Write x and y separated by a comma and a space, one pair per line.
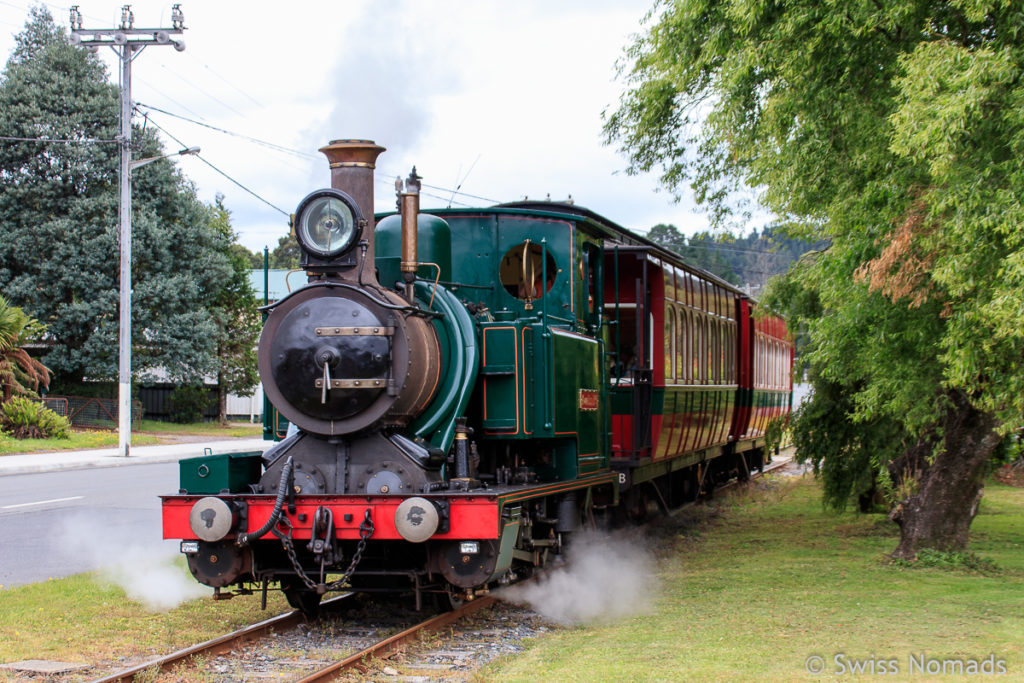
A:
301, 598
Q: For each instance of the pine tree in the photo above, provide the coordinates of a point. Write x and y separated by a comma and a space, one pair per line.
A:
59, 256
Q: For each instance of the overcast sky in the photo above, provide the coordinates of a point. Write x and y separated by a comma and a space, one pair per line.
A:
504, 98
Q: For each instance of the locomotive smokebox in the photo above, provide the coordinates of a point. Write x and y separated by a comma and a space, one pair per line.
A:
352, 165
343, 354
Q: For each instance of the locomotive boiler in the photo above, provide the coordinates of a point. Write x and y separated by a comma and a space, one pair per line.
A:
466, 389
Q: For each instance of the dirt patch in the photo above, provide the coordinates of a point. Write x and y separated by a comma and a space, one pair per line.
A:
1011, 475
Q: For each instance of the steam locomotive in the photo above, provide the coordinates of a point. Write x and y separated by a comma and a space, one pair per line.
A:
469, 387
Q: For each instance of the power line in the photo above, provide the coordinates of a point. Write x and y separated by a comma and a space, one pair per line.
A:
203, 91
383, 175
276, 208
163, 94
462, 194
305, 155
271, 145
232, 85
443, 199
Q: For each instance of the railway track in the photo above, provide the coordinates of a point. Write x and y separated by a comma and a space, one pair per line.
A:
216, 646
397, 642
378, 650
233, 641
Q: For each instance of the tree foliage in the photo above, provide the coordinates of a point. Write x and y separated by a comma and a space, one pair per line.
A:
235, 310
286, 254
20, 373
58, 222
894, 130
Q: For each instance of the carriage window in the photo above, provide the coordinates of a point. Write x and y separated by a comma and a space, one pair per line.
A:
758, 363
522, 271
717, 324
670, 341
762, 360
682, 340
731, 347
623, 345
698, 336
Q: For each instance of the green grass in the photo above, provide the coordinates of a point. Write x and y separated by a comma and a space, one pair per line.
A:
232, 429
773, 580
79, 440
146, 433
85, 619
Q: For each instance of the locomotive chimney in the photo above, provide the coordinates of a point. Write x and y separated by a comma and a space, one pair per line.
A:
352, 163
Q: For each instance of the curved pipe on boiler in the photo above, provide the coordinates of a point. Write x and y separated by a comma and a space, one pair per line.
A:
464, 360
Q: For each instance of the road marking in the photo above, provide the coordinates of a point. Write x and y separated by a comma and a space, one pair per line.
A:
41, 502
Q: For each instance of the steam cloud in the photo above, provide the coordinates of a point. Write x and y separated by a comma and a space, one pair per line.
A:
145, 571
605, 578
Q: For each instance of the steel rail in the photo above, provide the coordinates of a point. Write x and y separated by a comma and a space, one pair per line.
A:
217, 645
396, 643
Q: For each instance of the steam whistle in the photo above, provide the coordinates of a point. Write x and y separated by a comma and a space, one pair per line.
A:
408, 192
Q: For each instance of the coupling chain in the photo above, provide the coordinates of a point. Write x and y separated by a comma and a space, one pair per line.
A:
365, 532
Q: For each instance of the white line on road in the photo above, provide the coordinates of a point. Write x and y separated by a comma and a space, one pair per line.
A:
40, 502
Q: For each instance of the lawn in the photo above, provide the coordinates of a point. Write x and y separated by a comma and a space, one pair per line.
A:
145, 433
774, 586
88, 619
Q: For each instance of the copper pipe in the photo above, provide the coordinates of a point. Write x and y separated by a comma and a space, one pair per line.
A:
409, 202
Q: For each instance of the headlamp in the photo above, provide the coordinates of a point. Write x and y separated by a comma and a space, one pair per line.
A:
327, 223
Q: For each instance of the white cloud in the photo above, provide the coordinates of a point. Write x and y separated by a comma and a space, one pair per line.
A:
513, 91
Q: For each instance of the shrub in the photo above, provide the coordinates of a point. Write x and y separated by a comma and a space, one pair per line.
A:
188, 403
24, 418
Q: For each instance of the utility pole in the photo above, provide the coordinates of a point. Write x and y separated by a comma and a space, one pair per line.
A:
126, 42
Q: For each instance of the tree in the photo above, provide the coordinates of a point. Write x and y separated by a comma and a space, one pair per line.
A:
254, 259
20, 373
699, 250
238, 320
894, 130
286, 254
668, 236
58, 222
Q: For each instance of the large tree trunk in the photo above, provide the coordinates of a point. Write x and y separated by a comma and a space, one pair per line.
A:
948, 488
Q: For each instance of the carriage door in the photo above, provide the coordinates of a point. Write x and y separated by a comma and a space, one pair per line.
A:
629, 338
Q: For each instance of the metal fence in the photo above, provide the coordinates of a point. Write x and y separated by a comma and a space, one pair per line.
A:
90, 412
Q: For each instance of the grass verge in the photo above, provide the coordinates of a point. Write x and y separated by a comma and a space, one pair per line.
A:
773, 581
86, 619
146, 433
211, 429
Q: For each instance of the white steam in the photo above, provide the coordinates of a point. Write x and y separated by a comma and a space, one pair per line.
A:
605, 578
146, 571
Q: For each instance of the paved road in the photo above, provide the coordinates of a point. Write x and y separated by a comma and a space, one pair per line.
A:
54, 524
